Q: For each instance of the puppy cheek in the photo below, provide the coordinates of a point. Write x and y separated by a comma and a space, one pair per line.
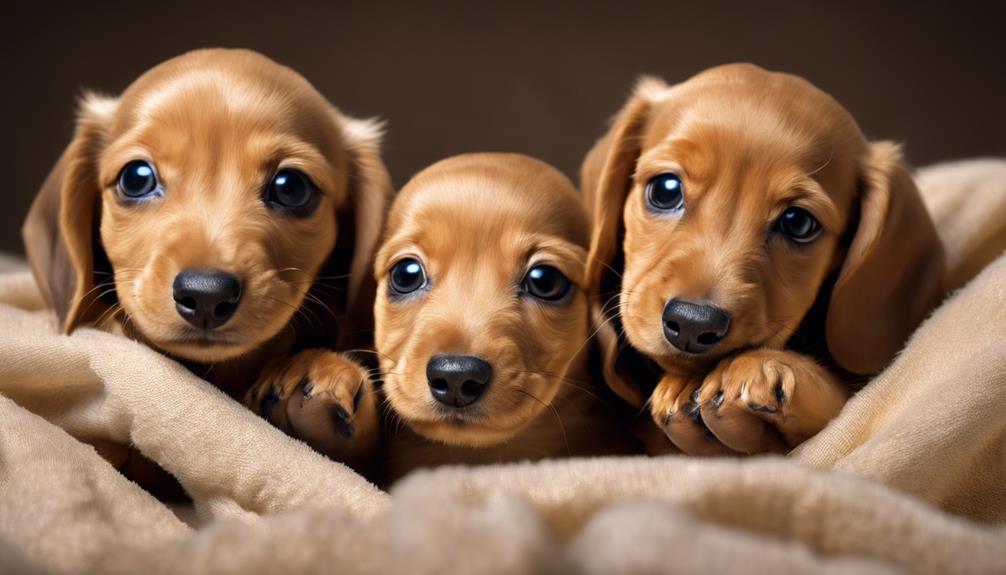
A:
641, 315
405, 378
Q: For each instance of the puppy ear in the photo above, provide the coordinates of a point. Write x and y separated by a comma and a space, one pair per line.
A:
606, 173
361, 221
60, 231
605, 180
893, 272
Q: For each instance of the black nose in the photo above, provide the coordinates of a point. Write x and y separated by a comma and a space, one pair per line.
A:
694, 327
457, 380
206, 298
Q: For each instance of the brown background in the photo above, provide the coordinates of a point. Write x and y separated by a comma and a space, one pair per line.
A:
535, 78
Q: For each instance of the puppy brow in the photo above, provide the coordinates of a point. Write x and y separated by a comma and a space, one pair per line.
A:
810, 195
286, 153
569, 258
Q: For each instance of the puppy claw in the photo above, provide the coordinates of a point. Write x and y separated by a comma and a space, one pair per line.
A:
343, 422
717, 400
762, 408
267, 403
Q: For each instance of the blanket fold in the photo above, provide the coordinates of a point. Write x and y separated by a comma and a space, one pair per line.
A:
911, 477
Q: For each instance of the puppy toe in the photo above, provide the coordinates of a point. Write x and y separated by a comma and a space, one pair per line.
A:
740, 430
769, 394
685, 426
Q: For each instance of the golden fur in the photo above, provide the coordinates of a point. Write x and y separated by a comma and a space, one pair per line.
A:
478, 223
747, 144
217, 124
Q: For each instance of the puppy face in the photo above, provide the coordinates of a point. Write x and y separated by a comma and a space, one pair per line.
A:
219, 176
480, 306
725, 180
741, 190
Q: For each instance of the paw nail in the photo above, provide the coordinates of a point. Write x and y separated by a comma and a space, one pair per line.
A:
358, 398
308, 388
342, 421
266, 404
695, 396
695, 413
718, 398
780, 395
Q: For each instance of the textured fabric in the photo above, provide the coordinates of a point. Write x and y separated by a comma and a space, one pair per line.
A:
911, 477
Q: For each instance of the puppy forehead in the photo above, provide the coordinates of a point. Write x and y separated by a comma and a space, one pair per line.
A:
741, 119
226, 92
490, 196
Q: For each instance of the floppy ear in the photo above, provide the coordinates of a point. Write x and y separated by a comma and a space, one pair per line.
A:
361, 223
60, 232
605, 180
893, 272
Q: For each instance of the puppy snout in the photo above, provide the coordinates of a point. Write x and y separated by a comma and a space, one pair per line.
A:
458, 380
694, 327
206, 298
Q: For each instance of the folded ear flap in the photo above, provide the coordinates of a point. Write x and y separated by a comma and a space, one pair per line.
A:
361, 224
605, 180
893, 272
60, 231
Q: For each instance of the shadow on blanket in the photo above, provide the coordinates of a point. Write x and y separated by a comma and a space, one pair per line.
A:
910, 477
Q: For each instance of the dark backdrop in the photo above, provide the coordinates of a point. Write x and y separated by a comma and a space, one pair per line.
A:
538, 78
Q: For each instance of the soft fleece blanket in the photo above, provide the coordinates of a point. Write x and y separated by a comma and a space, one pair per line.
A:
911, 477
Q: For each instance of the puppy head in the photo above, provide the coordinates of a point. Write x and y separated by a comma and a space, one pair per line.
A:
203, 203
480, 307
734, 196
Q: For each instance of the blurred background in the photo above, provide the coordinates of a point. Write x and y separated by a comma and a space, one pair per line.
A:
540, 78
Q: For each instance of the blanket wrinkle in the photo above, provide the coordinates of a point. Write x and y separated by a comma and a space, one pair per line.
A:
910, 478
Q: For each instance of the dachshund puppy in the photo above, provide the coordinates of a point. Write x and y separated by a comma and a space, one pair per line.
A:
482, 318
757, 250
223, 213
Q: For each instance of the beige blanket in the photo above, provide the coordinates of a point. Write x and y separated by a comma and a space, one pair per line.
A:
910, 478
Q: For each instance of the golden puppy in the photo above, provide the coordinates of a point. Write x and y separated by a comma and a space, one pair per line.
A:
758, 250
222, 212
482, 318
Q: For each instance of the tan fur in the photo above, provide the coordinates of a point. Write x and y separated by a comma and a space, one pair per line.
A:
747, 144
477, 223
216, 124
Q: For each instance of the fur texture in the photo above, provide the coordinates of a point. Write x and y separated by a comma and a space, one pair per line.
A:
216, 125
805, 318
478, 223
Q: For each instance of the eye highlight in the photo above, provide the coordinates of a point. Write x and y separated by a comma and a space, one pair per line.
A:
545, 283
138, 181
291, 191
798, 225
406, 277
665, 193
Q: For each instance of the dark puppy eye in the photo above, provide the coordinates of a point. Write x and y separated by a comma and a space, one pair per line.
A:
291, 190
665, 193
798, 225
545, 282
407, 276
138, 180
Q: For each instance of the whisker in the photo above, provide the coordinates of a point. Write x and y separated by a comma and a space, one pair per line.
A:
565, 438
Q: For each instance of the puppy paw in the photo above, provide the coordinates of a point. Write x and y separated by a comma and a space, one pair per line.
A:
768, 400
675, 409
323, 398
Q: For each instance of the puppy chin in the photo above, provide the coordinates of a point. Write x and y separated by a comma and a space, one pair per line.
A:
203, 351
193, 345
461, 434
